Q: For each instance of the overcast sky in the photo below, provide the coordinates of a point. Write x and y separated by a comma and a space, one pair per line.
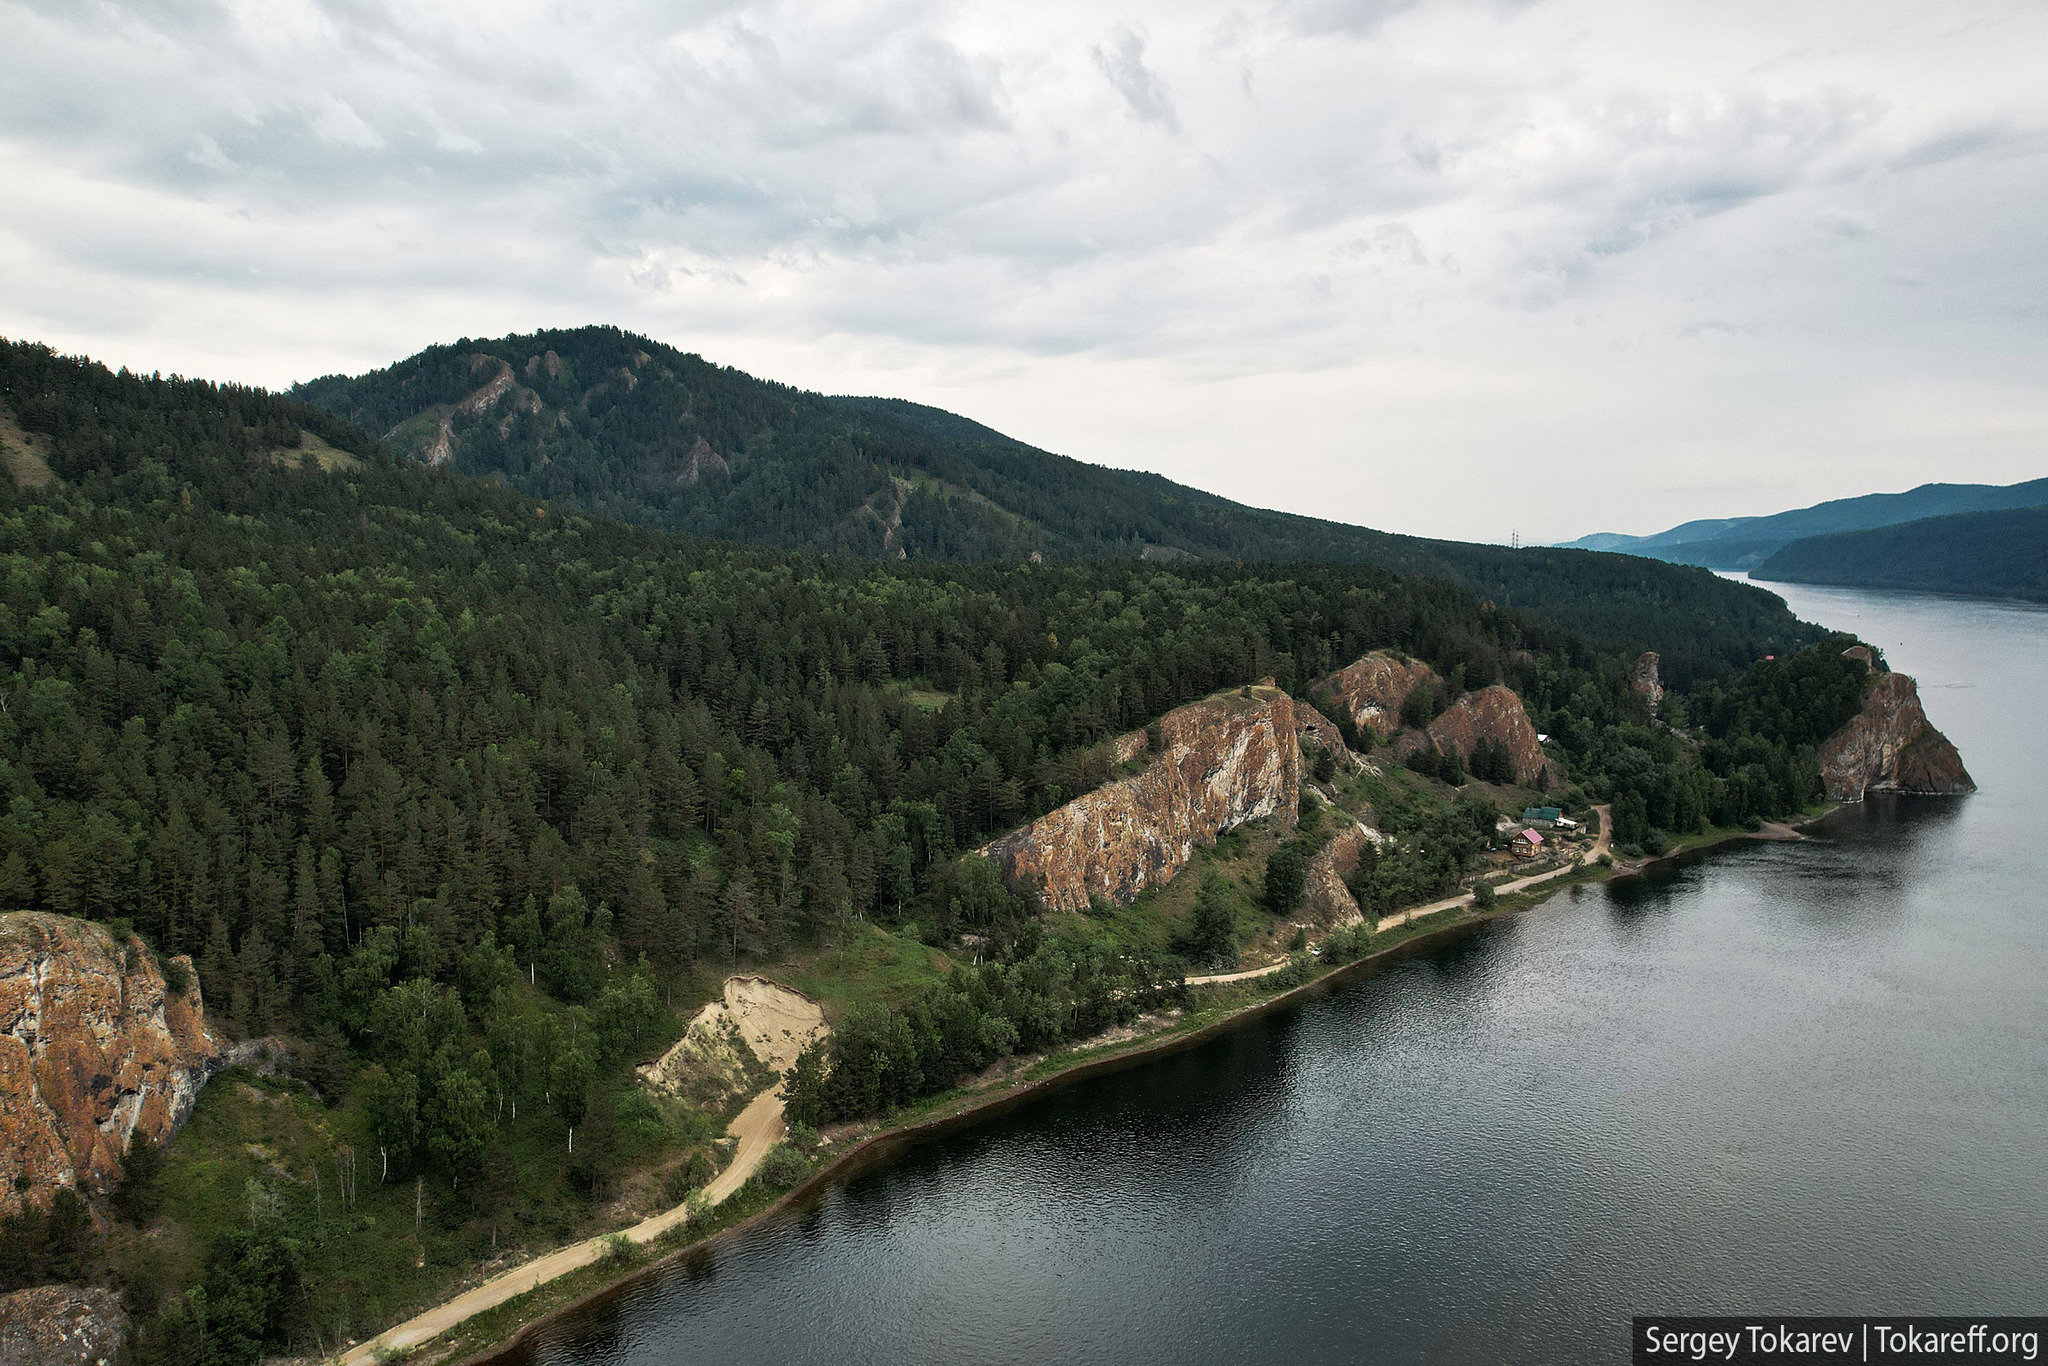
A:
1453, 268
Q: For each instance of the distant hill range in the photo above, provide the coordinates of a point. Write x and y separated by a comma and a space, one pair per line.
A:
1748, 542
2000, 554
625, 426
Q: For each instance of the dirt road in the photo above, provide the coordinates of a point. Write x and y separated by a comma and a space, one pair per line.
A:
776, 1023
1600, 846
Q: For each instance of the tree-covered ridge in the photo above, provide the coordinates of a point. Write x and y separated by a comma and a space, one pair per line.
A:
631, 428
2002, 554
250, 703
448, 782
1748, 542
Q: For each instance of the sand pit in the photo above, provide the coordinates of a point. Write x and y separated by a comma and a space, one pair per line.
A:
776, 1021
771, 1021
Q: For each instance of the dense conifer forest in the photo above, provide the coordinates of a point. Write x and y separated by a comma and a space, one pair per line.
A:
627, 426
1999, 554
450, 786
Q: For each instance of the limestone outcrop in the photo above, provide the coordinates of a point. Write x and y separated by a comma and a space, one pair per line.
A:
1222, 761
1891, 747
1372, 689
1495, 714
1644, 682
93, 1047
61, 1325
1320, 732
1324, 897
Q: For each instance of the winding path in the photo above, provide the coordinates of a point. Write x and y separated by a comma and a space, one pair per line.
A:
757, 1127
1592, 855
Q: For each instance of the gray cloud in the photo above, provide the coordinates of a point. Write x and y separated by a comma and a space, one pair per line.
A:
1122, 63
1388, 241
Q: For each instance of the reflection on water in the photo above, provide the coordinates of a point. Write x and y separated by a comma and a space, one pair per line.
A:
1783, 1077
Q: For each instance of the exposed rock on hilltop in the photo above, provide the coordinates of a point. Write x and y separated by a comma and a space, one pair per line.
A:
1644, 682
1494, 714
93, 1047
1222, 761
1372, 690
1890, 747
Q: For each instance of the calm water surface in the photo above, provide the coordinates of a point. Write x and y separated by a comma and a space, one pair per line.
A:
1779, 1078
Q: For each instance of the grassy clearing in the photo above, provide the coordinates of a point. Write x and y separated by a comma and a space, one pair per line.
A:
312, 448
23, 456
879, 964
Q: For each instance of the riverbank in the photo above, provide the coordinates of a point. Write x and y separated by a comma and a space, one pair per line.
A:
1226, 1006
1230, 1000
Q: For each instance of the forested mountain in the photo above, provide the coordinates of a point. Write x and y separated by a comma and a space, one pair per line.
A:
1746, 542
631, 428
1986, 554
267, 686
448, 784
250, 701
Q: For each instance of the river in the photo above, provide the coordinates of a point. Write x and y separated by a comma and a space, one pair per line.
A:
1772, 1078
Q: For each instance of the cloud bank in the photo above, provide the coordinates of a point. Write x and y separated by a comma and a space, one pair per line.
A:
1457, 268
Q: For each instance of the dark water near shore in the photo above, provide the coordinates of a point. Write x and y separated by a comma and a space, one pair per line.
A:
1776, 1078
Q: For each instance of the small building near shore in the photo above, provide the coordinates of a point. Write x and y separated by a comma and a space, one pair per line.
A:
1545, 816
1528, 844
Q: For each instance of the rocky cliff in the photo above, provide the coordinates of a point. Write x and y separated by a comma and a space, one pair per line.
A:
1319, 731
1222, 761
1890, 747
1324, 897
93, 1047
1372, 690
1492, 713
1644, 681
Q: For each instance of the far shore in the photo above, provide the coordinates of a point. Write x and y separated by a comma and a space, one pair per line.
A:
959, 1109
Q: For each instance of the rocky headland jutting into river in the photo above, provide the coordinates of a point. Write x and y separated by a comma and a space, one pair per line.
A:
1891, 746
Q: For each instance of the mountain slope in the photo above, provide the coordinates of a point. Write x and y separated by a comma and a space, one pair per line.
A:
2001, 554
453, 788
637, 430
1744, 542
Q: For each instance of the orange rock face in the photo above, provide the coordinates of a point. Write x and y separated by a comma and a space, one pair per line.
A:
1318, 730
1372, 690
92, 1047
1324, 897
1644, 681
1891, 747
1492, 713
1222, 761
